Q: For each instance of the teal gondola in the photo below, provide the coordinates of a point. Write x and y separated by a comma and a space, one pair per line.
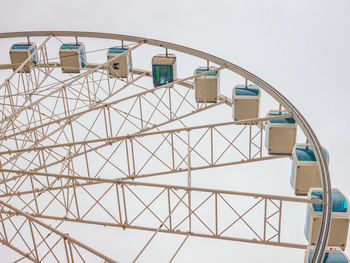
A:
121, 66
72, 57
207, 86
332, 255
245, 102
305, 169
280, 133
339, 218
20, 52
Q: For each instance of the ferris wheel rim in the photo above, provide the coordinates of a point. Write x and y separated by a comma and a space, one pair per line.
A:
279, 97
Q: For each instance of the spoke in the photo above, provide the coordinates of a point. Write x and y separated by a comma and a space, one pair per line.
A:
173, 201
120, 138
62, 237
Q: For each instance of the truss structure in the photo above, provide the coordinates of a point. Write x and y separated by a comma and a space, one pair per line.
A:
78, 148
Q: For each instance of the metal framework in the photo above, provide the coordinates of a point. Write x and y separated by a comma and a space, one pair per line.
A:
74, 148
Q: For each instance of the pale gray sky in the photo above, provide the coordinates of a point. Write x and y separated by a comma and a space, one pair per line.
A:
300, 47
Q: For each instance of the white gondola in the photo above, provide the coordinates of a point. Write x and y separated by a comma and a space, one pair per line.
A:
73, 57
332, 255
207, 87
163, 69
305, 169
340, 217
20, 52
121, 66
280, 133
245, 102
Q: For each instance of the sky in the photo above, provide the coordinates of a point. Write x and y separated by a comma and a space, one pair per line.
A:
300, 47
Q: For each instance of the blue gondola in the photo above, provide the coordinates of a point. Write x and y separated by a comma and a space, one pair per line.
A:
207, 87
332, 255
73, 57
20, 52
245, 102
121, 66
280, 133
305, 169
163, 69
339, 219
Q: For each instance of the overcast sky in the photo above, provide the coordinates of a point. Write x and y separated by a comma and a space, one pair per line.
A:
300, 47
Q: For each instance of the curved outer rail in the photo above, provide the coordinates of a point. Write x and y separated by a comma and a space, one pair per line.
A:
305, 126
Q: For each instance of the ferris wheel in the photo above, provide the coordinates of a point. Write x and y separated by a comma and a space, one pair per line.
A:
101, 132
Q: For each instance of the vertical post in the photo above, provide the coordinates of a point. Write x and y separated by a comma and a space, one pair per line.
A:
189, 178
70, 250
170, 222
124, 201
250, 140
106, 68
141, 117
86, 161
261, 137
110, 120
127, 156
265, 212
279, 222
119, 209
172, 149
76, 199
170, 109
105, 119
132, 158
211, 146
66, 249
216, 214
